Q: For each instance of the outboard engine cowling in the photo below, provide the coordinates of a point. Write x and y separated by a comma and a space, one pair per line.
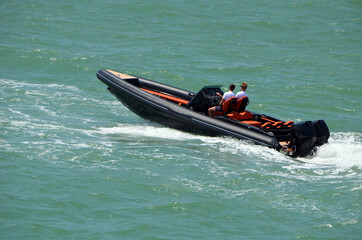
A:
305, 136
322, 132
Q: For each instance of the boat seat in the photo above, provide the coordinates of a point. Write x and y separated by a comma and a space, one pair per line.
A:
241, 104
266, 125
238, 112
276, 124
227, 107
245, 115
252, 123
288, 124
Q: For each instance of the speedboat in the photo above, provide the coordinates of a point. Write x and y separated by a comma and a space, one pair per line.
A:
188, 111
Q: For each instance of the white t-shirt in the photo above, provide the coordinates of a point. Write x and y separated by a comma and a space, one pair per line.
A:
241, 94
228, 95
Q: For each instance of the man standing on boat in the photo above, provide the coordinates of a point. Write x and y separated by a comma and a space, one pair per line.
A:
242, 93
226, 96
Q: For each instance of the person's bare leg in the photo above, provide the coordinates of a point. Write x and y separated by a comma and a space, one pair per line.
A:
212, 112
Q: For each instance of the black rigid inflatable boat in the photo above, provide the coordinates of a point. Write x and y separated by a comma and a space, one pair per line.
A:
187, 111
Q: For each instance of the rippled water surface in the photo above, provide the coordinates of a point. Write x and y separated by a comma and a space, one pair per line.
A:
77, 164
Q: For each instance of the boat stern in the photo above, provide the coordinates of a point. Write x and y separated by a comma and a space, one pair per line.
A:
305, 138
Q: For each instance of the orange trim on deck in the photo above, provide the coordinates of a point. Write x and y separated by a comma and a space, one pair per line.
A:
252, 123
167, 97
276, 124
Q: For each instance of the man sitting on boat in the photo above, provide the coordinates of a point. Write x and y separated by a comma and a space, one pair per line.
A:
226, 96
242, 93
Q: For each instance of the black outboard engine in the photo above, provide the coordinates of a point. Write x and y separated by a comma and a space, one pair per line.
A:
322, 132
305, 137
309, 135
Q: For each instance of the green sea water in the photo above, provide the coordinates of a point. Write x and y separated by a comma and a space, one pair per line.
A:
77, 164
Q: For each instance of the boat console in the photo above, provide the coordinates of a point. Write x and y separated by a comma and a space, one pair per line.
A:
205, 99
